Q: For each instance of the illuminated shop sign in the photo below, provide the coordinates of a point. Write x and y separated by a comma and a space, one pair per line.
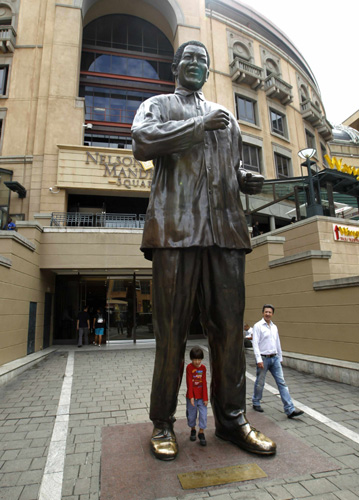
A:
123, 170
346, 233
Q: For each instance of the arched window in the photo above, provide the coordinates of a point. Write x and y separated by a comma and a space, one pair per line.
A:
271, 67
5, 15
125, 60
240, 50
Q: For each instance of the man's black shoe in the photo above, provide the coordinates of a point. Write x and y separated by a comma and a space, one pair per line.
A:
296, 413
258, 408
193, 435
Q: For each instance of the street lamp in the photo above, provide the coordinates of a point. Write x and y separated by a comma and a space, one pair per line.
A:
313, 208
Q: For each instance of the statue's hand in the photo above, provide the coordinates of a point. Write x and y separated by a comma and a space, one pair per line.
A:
250, 183
218, 119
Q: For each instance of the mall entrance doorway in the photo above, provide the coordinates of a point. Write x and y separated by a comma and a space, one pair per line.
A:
125, 300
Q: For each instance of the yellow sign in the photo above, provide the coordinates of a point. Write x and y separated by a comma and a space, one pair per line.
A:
346, 233
338, 164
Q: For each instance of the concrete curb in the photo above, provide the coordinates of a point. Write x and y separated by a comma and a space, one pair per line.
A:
14, 368
345, 372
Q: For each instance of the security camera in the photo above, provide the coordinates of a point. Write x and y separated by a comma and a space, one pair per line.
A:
87, 125
52, 190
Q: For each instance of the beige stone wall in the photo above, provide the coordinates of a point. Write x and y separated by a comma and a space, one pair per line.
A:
21, 282
87, 249
316, 233
313, 322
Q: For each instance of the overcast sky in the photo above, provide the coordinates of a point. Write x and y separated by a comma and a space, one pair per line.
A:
326, 34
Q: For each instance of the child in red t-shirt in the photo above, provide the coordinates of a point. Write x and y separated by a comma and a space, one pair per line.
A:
197, 397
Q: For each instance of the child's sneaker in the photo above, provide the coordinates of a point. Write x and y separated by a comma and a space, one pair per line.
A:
193, 435
202, 439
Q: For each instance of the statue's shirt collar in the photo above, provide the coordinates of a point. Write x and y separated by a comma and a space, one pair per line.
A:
186, 92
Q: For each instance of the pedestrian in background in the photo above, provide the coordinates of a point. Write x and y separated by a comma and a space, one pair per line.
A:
10, 225
268, 354
197, 396
99, 326
247, 334
83, 326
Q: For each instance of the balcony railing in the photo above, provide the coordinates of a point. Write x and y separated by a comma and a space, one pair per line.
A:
311, 113
77, 219
276, 88
7, 38
245, 72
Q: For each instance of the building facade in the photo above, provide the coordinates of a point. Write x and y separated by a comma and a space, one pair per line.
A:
72, 75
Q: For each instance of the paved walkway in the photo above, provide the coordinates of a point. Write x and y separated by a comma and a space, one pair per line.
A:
52, 415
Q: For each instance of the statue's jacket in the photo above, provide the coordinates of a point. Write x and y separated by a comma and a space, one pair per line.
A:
195, 196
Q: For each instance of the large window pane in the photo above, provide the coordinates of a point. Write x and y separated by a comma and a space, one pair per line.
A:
246, 109
119, 36
127, 32
129, 304
119, 65
110, 101
282, 166
165, 72
103, 32
251, 157
134, 67
112, 105
277, 122
87, 61
150, 39
103, 63
150, 70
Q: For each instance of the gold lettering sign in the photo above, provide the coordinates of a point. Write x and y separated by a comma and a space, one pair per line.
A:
338, 164
123, 170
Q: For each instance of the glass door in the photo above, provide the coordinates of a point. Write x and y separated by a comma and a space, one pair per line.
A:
129, 308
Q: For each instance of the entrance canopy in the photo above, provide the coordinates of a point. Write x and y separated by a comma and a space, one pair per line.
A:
334, 190
342, 183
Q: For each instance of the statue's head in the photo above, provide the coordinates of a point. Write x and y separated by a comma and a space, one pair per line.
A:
191, 65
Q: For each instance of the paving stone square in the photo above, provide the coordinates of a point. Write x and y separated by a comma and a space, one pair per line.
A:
28, 411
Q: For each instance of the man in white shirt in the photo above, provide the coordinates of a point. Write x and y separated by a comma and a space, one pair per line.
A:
268, 354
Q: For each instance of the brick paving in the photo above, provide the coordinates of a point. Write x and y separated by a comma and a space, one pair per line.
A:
111, 386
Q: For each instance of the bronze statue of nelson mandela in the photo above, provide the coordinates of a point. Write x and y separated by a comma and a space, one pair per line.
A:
196, 235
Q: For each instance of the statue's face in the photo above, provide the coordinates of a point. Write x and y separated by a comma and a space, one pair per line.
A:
192, 71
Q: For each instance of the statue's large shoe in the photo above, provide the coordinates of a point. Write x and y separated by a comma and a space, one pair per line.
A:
248, 438
164, 443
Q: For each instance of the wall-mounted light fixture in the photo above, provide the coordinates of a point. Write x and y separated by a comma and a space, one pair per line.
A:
87, 125
54, 190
